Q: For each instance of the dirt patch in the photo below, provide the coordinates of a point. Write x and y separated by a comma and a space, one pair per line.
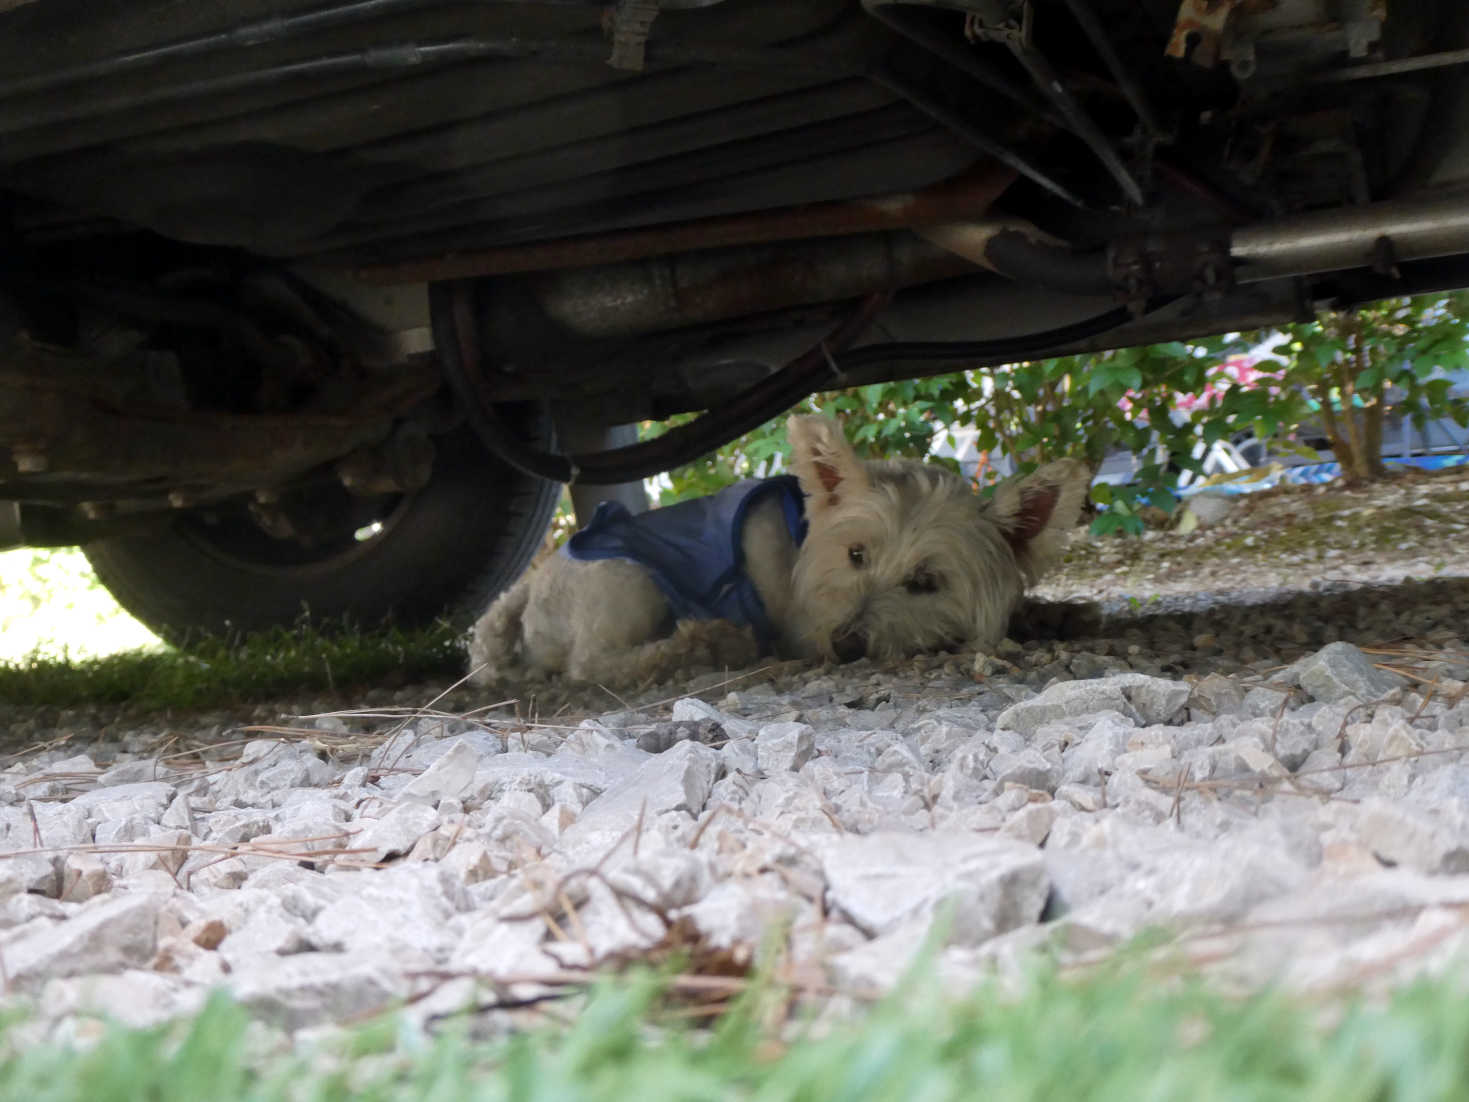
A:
1413, 525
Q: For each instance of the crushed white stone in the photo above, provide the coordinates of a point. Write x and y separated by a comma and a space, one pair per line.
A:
1245, 773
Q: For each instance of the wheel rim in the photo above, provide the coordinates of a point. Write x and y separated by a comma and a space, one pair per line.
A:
230, 535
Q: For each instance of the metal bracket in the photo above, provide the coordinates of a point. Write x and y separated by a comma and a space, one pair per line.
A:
997, 21
1385, 258
1143, 267
630, 22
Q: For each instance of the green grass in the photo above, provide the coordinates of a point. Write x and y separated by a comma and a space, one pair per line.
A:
220, 673
65, 642
1119, 1037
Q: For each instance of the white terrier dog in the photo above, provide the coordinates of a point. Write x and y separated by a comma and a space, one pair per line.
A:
891, 558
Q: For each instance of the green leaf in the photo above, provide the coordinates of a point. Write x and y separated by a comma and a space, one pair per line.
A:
1325, 352
1437, 390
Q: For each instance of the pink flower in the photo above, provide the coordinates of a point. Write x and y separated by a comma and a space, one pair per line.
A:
1240, 371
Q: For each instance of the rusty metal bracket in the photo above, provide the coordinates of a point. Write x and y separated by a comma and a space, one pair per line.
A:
60, 441
1198, 30
1209, 31
1196, 263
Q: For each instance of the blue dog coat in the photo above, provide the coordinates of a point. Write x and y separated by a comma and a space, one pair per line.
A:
692, 550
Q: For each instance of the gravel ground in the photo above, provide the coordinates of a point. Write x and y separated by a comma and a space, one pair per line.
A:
1249, 736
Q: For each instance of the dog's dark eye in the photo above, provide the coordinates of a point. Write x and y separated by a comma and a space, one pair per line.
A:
858, 555
921, 580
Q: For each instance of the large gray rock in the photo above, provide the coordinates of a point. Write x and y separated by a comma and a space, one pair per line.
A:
1217, 695
166, 850
1136, 696
623, 913
502, 947
880, 881
854, 748
301, 891
743, 913
107, 934
420, 898
142, 799
692, 709
451, 775
38, 873
395, 834
83, 876
233, 825
938, 734
678, 779
287, 765
1096, 750
1031, 823
1028, 767
1385, 737
654, 738
57, 824
784, 747
133, 998
542, 774
260, 932
966, 779
1066, 700
1339, 670
874, 966
308, 988
1401, 834
1157, 699
1162, 877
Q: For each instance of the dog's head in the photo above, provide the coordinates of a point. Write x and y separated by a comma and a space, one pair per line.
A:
903, 558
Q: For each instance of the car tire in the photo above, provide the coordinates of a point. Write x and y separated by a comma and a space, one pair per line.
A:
446, 548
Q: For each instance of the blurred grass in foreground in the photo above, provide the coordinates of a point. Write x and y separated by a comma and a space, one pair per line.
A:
1123, 1035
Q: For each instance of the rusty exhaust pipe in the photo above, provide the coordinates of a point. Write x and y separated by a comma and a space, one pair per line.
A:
955, 200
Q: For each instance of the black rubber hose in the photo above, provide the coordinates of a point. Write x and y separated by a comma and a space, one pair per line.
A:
448, 308
1031, 344
455, 335
817, 369
1016, 256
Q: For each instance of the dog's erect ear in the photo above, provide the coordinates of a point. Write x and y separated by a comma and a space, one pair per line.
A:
825, 464
1035, 512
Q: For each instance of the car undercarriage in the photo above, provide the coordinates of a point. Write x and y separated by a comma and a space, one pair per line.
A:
296, 298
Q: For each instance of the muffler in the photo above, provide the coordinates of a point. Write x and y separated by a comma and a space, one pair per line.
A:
1135, 268
1378, 235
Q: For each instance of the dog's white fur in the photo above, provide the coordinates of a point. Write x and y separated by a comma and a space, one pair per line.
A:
900, 558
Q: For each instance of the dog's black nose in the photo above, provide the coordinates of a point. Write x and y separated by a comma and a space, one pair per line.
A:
849, 644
